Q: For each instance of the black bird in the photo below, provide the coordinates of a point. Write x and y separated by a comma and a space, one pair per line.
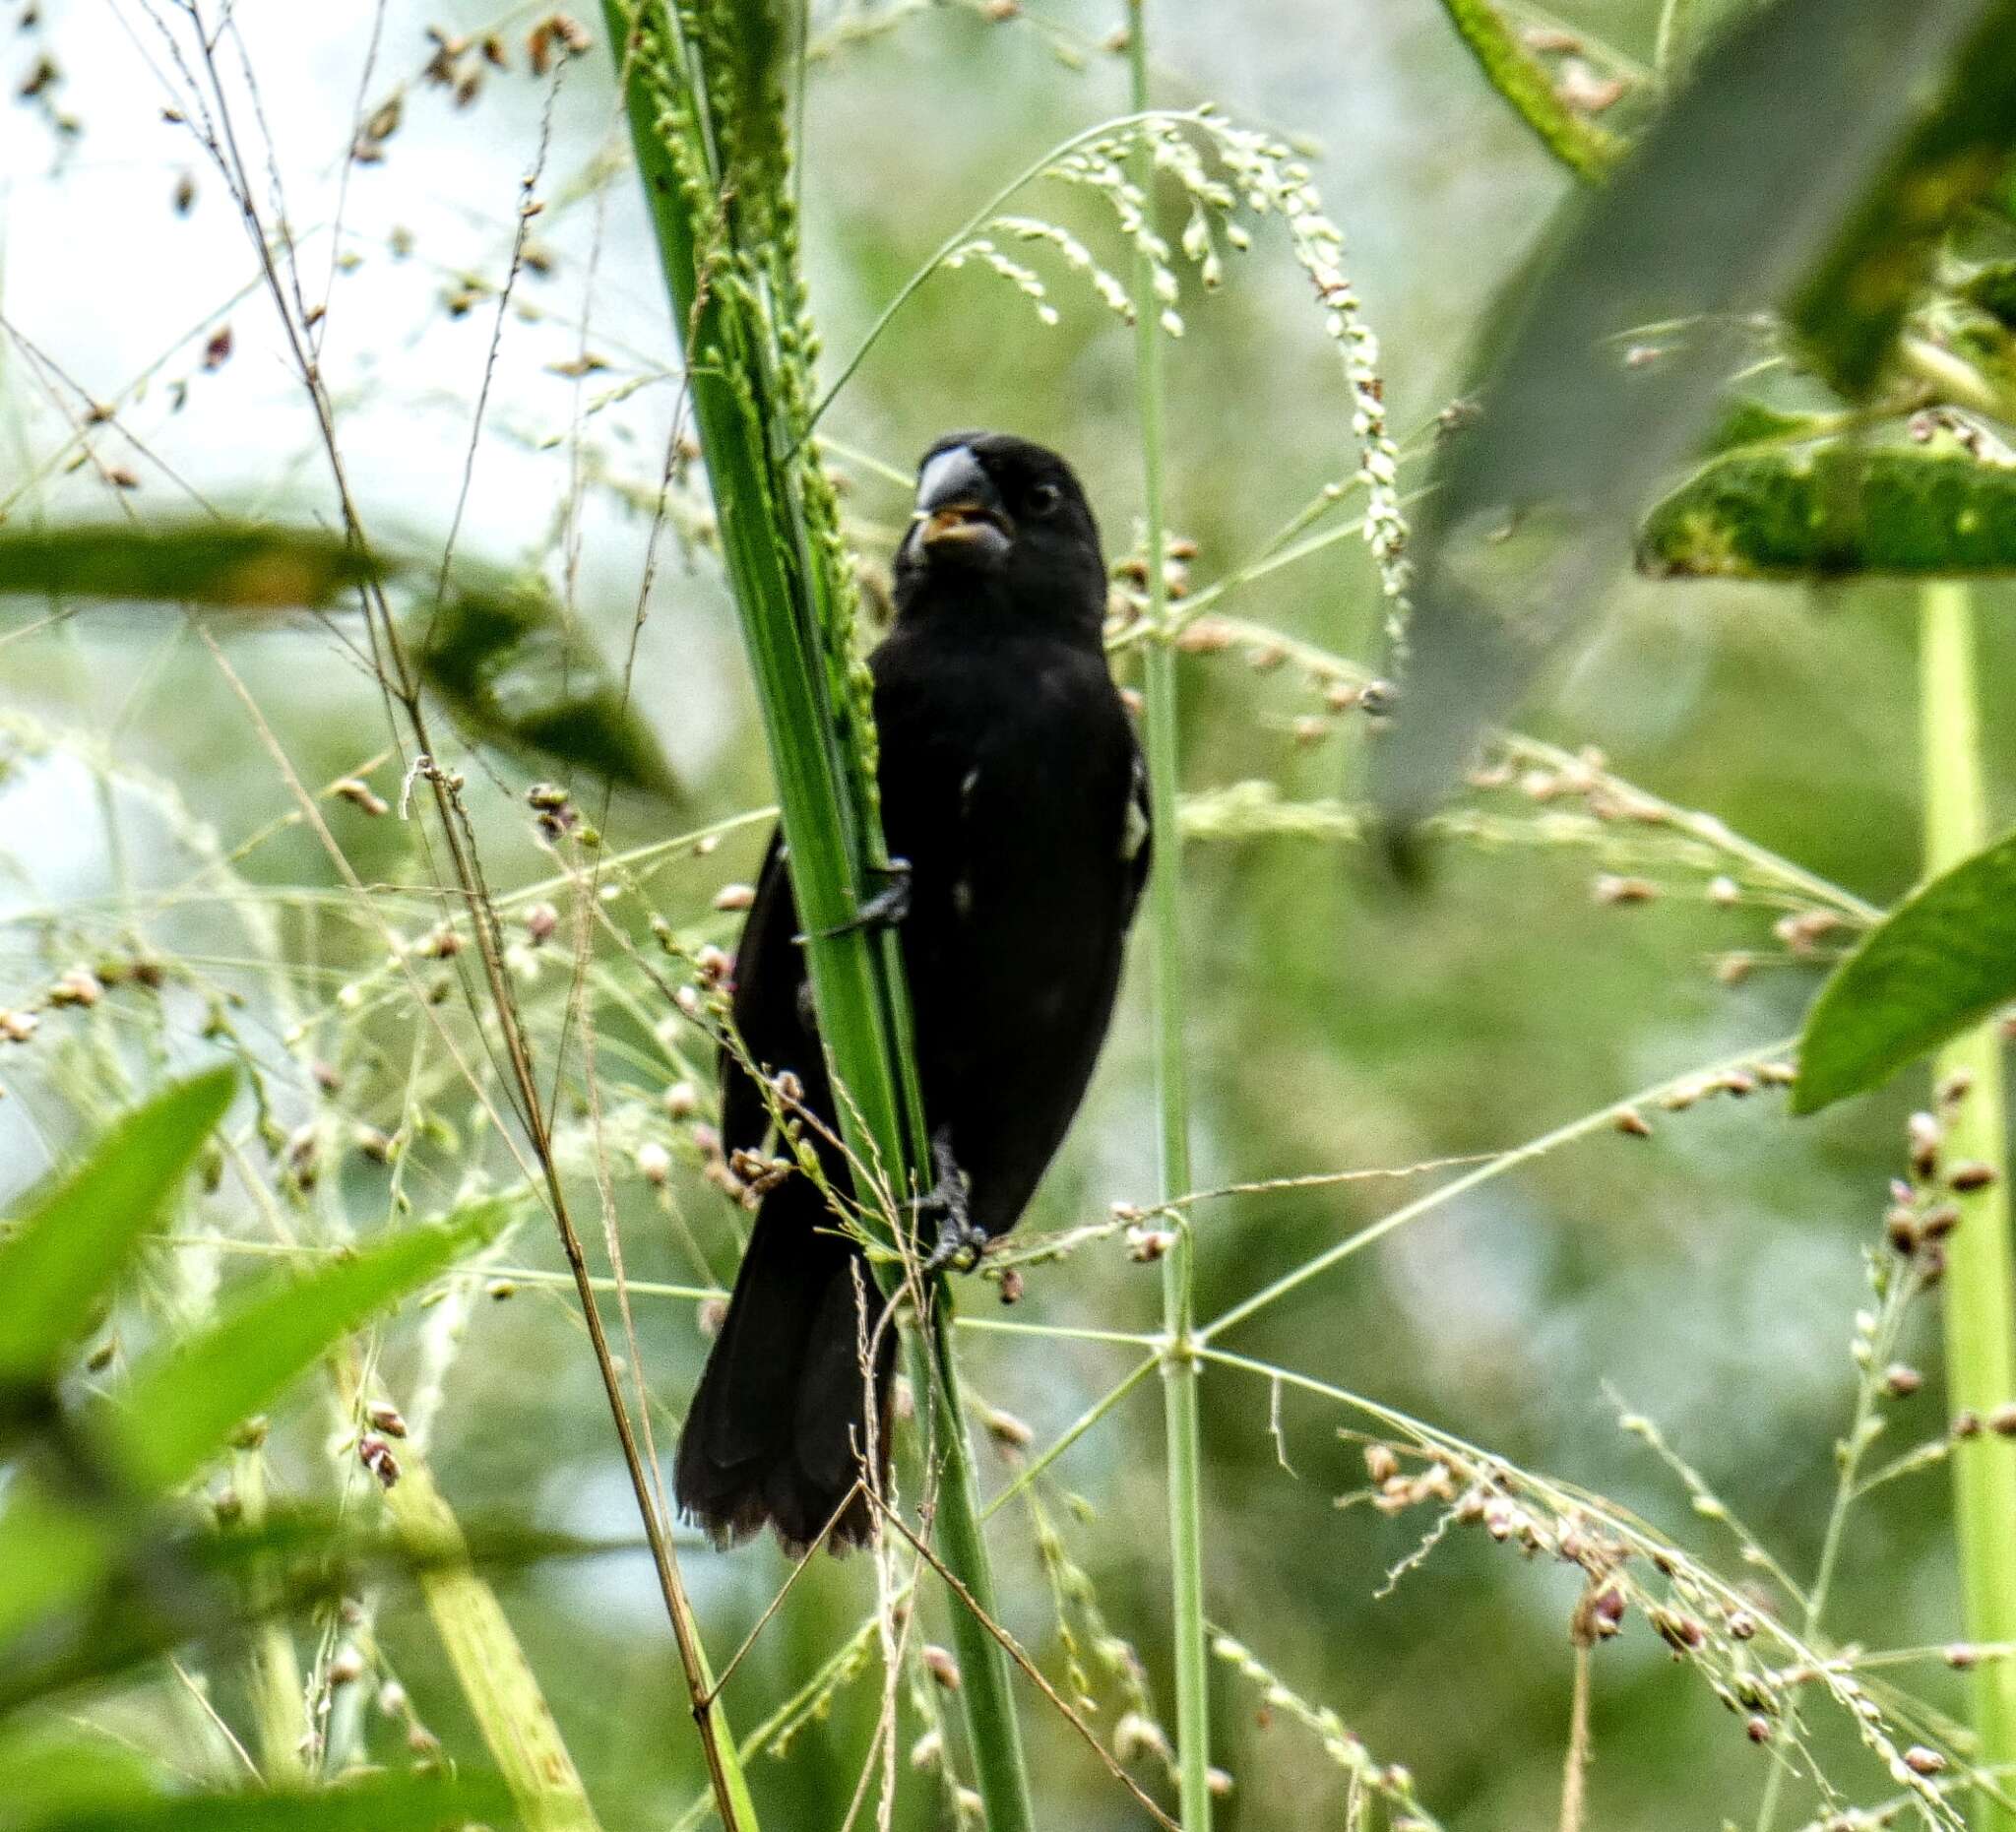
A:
1013, 791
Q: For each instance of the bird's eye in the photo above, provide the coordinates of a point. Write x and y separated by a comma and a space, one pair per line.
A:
1044, 497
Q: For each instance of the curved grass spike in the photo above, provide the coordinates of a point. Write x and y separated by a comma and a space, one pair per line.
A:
718, 186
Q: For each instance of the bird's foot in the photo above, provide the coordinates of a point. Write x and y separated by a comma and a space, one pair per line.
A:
886, 908
960, 1239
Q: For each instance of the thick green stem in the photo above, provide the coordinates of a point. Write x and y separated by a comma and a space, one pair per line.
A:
719, 223
1180, 1368
1980, 1287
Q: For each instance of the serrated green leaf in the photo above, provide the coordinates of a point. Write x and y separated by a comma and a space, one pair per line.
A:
1943, 960
1725, 203
374, 1803
71, 1241
1586, 148
502, 655
231, 565
1836, 512
1849, 312
181, 1406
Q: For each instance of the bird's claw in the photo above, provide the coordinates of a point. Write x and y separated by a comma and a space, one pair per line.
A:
886, 908
960, 1239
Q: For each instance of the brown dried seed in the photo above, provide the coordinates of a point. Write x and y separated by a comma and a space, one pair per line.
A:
1966, 1424
734, 897
375, 1454
1758, 1729
385, 1418
2002, 1421
1936, 1222
1381, 1463
1901, 1230
1609, 888
1900, 1382
1923, 1761
1205, 637
1960, 1657
1632, 1123
940, 1666
1009, 1429
1924, 1135
1971, 1175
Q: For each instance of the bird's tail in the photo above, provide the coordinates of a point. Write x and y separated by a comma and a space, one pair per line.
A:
777, 1431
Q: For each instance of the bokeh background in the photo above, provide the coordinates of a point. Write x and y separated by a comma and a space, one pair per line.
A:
1708, 1275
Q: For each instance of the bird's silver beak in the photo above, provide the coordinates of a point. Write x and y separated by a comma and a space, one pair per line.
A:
959, 511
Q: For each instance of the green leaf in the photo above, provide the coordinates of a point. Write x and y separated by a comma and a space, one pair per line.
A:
1753, 422
374, 1803
51, 1554
1832, 512
1992, 289
73, 1239
236, 566
1853, 307
48, 1769
1732, 195
501, 655
181, 1406
1943, 960
1518, 75
103, 1595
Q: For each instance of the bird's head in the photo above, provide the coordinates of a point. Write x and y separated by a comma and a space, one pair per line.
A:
1001, 521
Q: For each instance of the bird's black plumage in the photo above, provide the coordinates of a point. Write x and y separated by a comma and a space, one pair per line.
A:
1012, 784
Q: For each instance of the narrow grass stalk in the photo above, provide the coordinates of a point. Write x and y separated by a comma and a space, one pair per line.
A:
708, 123
1980, 1287
1181, 1367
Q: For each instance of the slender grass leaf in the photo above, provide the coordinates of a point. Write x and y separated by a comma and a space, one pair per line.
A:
1728, 200
72, 1241
181, 1406
232, 565
376, 1804
1849, 312
96, 1617
502, 655
1832, 512
1943, 960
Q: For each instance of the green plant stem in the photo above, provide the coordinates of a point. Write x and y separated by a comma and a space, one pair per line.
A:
753, 419
1980, 1287
1181, 1368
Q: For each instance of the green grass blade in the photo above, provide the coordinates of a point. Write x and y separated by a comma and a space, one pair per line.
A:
1944, 960
379, 1803
180, 1407
73, 1238
231, 566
